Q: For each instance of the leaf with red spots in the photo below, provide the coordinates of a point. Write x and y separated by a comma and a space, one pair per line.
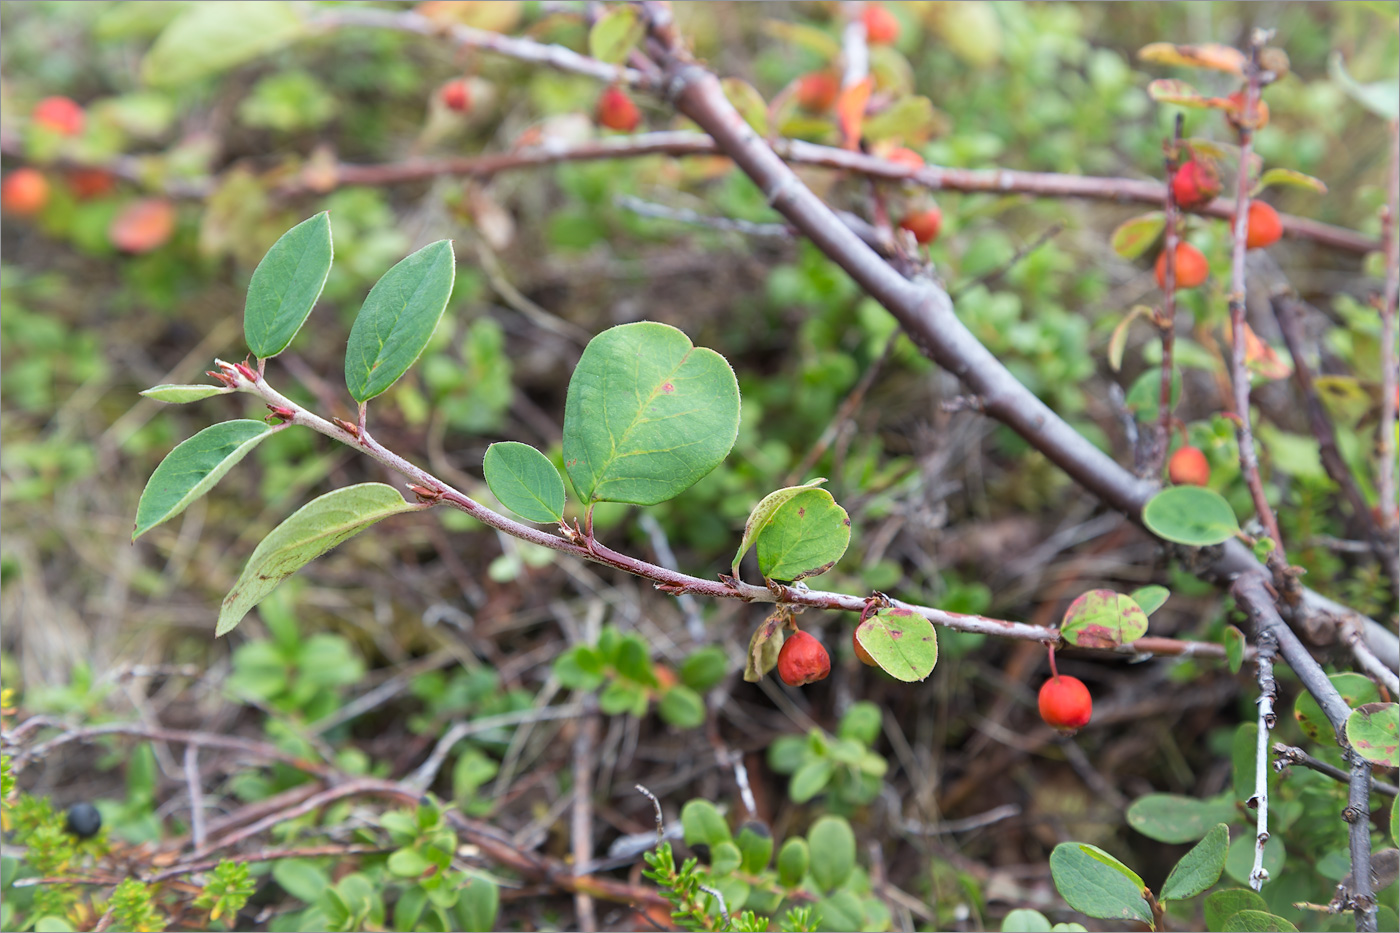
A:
1103, 619
902, 642
761, 514
804, 536
1372, 730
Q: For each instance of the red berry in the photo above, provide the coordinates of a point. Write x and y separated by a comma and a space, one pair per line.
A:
881, 26
861, 653
1195, 184
616, 110
1264, 228
456, 96
59, 114
1235, 114
924, 224
817, 91
1065, 703
1189, 467
24, 191
1191, 267
803, 660
143, 225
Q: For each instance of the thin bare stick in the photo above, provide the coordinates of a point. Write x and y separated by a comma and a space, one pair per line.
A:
426, 773
1285, 755
1267, 645
195, 793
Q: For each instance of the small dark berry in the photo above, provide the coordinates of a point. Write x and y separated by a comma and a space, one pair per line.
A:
83, 820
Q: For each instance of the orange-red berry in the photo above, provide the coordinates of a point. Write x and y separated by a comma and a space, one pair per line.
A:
24, 191
616, 110
1191, 267
881, 26
861, 653
1264, 227
1195, 184
817, 90
455, 95
1189, 467
1065, 703
60, 114
143, 225
1236, 114
803, 660
924, 224
902, 155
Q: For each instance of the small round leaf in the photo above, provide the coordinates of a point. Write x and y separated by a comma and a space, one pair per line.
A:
1372, 730
1190, 515
1103, 619
902, 642
525, 481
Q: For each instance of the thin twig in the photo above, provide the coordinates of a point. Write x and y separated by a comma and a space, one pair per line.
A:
195, 794
426, 773
1358, 815
1286, 755
1267, 645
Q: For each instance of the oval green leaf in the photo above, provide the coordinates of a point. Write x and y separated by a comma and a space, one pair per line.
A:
308, 533
397, 319
525, 481
702, 823
833, 845
1200, 868
286, 285
615, 34
763, 512
179, 395
1025, 920
1118, 341
1174, 818
1151, 597
647, 415
1355, 689
805, 536
902, 642
1222, 905
1234, 648
1103, 619
1373, 729
192, 469
682, 708
1290, 179
1095, 883
1132, 237
1190, 515
1256, 921
210, 37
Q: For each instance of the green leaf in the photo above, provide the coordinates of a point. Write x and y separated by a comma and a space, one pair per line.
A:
704, 668
1380, 97
1356, 690
1234, 648
1222, 905
1174, 818
397, 318
805, 536
810, 779
477, 905
1190, 515
621, 697
647, 415
308, 533
794, 858
811, 38
1291, 179
1103, 619
525, 481
179, 395
615, 34
1151, 597
1025, 920
1239, 860
840, 911
1133, 236
192, 469
1119, 340
703, 824
1257, 921
725, 857
756, 843
407, 863
1198, 869
580, 668
763, 512
682, 707
750, 104
902, 642
286, 285
833, 851
1374, 731
1095, 883
213, 36
300, 878
911, 118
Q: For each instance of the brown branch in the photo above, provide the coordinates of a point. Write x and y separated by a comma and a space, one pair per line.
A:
1292, 755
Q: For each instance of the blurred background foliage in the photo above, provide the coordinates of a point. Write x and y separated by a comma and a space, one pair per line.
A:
948, 509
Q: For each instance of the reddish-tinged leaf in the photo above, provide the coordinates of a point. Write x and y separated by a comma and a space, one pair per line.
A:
1210, 55
850, 110
1103, 619
1133, 237
1172, 91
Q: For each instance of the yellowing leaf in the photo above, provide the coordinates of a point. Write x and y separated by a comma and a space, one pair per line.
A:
850, 111
1210, 55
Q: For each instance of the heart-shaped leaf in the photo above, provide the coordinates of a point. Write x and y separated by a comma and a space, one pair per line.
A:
308, 533
1103, 619
525, 481
647, 414
804, 536
397, 319
192, 469
286, 285
1190, 515
902, 642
